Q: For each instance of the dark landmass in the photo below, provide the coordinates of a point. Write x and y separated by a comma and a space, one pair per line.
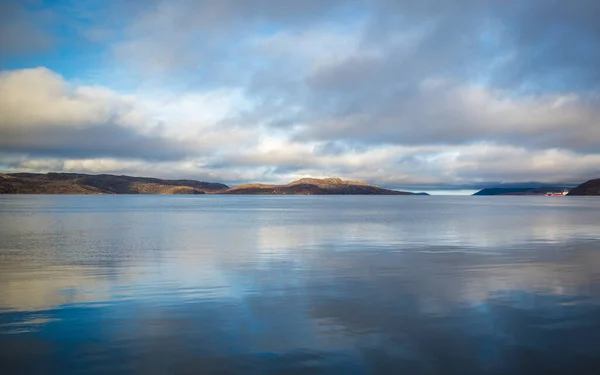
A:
76, 183
591, 187
315, 186
522, 191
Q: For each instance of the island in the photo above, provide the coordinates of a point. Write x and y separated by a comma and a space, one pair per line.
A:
79, 183
591, 187
315, 186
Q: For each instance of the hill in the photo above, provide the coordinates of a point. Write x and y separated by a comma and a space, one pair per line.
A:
591, 187
521, 191
314, 186
76, 183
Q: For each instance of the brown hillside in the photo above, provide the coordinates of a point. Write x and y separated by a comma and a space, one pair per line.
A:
74, 183
314, 186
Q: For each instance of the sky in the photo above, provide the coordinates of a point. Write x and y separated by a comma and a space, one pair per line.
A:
412, 94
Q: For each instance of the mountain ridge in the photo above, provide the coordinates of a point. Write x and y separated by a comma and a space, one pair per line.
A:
80, 183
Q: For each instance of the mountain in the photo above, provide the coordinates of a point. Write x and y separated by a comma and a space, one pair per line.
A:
314, 186
591, 187
76, 183
521, 191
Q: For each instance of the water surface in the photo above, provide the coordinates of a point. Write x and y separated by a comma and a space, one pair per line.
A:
299, 285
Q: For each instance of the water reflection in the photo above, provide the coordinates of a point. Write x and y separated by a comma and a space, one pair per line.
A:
264, 285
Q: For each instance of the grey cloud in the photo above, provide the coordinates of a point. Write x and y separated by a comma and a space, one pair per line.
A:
204, 39
23, 31
331, 148
557, 43
523, 45
43, 116
376, 94
234, 15
449, 114
98, 140
379, 98
547, 43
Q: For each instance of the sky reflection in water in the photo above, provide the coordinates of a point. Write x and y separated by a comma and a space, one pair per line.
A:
286, 285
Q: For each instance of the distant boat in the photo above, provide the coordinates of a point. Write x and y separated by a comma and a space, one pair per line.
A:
552, 194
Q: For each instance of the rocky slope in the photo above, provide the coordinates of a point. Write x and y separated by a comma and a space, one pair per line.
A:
314, 186
591, 187
75, 183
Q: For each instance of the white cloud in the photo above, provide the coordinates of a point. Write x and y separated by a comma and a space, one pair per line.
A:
43, 114
39, 97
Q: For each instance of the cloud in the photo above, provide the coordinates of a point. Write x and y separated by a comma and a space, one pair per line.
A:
43, 115
23, 31
452, 114
413, 168
49, 124
398, 93
509, 43
554, 43
399, 72
525, 45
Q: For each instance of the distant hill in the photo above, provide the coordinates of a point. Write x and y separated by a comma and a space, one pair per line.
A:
591, 187
522, 191
314, 186
76, 183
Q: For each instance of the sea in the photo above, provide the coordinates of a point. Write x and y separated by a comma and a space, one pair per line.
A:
213, 284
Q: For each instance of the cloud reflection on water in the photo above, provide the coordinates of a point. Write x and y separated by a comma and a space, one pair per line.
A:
331, 284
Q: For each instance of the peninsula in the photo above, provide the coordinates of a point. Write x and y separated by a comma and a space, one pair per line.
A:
315, 186
591, 187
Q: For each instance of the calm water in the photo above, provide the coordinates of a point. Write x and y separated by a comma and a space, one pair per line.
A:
299, 285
